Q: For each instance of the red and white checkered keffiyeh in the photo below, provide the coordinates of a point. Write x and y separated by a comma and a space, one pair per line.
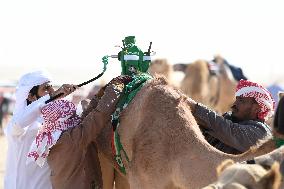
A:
58, 116
262, 96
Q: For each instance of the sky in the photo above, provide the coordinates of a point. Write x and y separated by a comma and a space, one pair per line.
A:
68, 38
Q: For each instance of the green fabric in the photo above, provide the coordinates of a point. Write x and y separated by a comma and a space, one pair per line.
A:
278, 142
132, 66
129, 93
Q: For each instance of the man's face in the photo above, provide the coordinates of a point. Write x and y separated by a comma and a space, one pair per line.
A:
43, 89
245, 108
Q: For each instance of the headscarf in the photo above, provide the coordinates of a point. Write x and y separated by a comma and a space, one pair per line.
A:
263, 97
26, 83
58, 116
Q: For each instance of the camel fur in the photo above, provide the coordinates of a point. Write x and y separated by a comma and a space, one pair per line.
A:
161, 67
246, 176
215, 91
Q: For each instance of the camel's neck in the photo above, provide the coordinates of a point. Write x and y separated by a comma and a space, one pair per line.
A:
264, 148
217, 157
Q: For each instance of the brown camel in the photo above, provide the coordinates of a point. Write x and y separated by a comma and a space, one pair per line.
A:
246, 176
216, 90
162, 67
252, 170
164, 143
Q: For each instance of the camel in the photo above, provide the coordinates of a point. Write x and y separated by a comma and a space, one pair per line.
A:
198, 82
164, 144
162, 67
213, 89
254, 169
246, 176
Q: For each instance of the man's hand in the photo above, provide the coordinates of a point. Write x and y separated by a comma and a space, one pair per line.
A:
112, 92
65, 89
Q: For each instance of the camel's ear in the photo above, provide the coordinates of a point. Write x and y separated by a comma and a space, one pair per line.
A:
272, 179
226, 163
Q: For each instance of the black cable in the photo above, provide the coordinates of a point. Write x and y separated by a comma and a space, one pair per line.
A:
80, 85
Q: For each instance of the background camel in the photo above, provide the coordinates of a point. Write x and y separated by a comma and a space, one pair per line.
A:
162, 67
213, 88
164, 143
246, 176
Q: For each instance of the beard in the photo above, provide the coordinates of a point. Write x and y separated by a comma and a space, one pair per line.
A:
235, 119
233, 116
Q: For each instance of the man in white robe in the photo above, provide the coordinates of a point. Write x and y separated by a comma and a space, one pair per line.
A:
31, 93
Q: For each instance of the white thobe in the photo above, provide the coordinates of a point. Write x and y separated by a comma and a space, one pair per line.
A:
21, 132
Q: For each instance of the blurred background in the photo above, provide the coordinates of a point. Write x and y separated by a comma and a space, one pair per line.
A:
69, 38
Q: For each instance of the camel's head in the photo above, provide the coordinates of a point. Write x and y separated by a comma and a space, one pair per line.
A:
218, 59
246, 176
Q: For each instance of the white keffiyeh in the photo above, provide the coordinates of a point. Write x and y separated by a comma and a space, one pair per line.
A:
26, 83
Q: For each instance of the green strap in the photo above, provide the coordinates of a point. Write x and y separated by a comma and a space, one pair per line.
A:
130, 91
278, 142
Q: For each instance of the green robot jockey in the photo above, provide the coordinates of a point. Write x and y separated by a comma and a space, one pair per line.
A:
134, 63
132, 59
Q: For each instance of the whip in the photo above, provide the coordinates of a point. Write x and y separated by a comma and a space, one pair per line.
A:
105, 61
